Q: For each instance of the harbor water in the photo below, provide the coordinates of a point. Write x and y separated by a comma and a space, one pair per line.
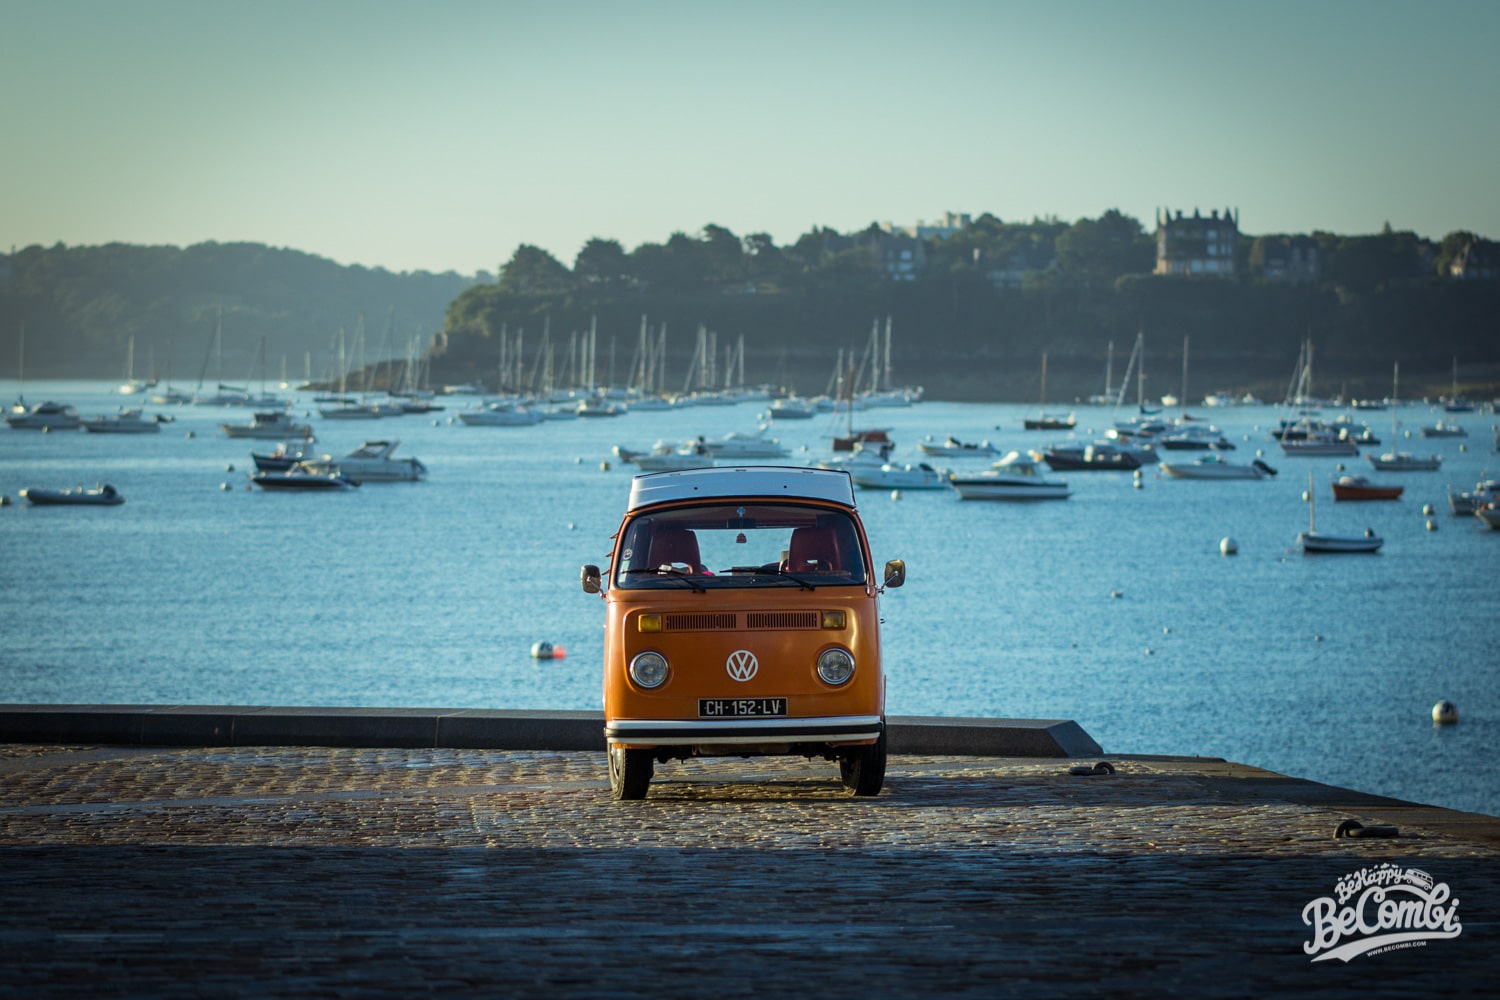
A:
1114, 607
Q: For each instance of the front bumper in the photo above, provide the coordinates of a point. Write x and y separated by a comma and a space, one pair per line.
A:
729, 732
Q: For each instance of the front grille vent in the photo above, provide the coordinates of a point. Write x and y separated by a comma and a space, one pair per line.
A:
781, 619
699, 622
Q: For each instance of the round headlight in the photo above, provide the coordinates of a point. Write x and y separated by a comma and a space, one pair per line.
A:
835, 665
648, 669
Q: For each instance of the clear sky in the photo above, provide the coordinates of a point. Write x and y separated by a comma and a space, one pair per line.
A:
440, 135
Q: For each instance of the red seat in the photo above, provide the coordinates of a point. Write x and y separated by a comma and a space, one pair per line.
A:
813, 550
671, 544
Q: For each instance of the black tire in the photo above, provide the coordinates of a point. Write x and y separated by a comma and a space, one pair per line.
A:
862, 769
629, 773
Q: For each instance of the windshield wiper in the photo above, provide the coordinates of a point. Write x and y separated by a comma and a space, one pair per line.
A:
676, 574
784, 575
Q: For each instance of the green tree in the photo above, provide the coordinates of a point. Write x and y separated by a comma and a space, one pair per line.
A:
533, 271
601, 261
723, 255
1365, 263
1094, 252
763, 259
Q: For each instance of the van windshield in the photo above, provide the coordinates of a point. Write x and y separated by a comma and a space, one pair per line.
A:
740, 545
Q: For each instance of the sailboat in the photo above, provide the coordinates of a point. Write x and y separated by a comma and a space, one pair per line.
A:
874, 439
44, 416
1312, 540
169, 395
1308, 436
266, 400
1107, 397
225, 395
132, 385
1401, 461
1456, 403
1043, 422
346, 408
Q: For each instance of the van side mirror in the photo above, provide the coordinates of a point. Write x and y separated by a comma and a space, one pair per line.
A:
895, 573
589, 577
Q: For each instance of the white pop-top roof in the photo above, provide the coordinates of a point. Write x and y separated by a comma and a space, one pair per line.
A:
770, 481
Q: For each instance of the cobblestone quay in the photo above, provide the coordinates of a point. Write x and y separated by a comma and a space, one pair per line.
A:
354, 872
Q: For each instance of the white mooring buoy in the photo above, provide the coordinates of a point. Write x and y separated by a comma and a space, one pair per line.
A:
1444, 713
1228, 547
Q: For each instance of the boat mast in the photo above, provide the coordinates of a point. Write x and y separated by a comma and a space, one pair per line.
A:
1395, 385
1135, 352
1312, 522
1044, 384
1184, 376
1140, 380
887, 351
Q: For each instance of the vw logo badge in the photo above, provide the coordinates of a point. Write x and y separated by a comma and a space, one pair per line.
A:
741, 665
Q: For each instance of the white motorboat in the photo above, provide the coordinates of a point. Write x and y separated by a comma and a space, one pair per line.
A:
47, 415
371, 462
1486, 491
350, 410
171, 397
501, 413
1316, 442
1314, 541
861, 457
689, 456
101, 496
1215, 467
268, 425
954, 448
1444, 429
128, 420
793, 408
224, 395
1489, 514
599, 407
899, 477
1405, 461
735, 446
645, 403
1014, 477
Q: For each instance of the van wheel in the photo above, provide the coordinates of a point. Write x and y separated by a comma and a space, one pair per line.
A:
629, 773
862, 769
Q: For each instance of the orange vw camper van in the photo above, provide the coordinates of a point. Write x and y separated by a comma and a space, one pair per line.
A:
742, 621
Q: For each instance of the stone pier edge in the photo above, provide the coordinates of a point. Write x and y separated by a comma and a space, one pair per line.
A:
476, 729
